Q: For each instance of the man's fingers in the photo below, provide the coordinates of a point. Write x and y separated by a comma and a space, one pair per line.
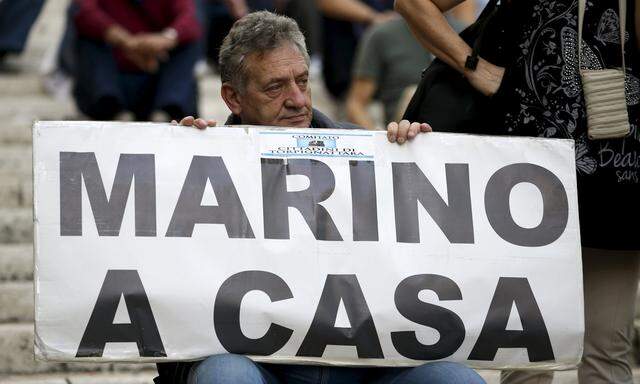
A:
211, 123
200, 124
392, 132
173, 122
414, 129
403, 129
424, 127
187, 121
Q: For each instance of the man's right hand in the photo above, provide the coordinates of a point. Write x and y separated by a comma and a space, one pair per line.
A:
191, 121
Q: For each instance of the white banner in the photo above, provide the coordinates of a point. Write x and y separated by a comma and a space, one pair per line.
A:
160, 243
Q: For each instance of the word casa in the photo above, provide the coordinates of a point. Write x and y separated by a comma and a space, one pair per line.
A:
510, 292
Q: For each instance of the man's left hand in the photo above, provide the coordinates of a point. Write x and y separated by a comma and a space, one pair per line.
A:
405, 130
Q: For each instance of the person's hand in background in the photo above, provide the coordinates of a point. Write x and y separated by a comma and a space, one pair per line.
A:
191, 121
405, 130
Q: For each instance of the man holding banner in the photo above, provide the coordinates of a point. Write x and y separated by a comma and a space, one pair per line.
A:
264, 69
322, 255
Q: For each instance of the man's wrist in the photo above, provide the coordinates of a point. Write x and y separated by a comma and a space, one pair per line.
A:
171, 34
117, 36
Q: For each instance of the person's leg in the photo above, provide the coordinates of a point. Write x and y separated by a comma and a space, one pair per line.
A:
229, 369
138, 90
610, 286
66, 57
16, 19
526, 377
96, 81
177, 89
219, 22
438, 372
310, 374
306, 14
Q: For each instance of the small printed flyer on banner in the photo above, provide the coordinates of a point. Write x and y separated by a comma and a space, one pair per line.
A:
286, 143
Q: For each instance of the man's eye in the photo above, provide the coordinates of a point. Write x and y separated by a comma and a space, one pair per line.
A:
303, 82
273, 88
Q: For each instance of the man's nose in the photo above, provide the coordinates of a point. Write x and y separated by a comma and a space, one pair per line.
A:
296, 97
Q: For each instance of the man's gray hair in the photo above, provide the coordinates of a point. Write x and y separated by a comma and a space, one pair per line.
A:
256, 33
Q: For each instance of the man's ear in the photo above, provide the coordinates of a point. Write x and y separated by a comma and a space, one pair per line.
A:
231, 97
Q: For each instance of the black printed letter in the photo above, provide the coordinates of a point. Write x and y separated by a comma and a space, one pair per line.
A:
142, 330
323, 332
554, 199
411, 186
229, 210
226, 313
534, 336
364, 208
447, 323
276, 200
108, 212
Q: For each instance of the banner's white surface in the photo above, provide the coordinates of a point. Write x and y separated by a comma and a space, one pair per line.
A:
182, 276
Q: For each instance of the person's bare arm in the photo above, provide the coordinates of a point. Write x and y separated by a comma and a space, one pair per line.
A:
360, 95
116, 36
351, 10
237, 8
638, 23
428, 24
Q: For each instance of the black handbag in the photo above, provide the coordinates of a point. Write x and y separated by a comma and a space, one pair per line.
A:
445, 99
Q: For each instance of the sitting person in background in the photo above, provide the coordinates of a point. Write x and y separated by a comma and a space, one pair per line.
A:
136, 56
343, 23
388, 64
388, 67
16, 20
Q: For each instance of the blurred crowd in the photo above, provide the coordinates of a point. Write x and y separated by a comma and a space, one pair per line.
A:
139, 60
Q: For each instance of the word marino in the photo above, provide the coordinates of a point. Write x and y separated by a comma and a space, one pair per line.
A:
411, 188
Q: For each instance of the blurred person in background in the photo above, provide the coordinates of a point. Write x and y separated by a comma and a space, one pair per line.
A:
218, 16
343, 23
388, 66
529, 70
136, 59
16, 20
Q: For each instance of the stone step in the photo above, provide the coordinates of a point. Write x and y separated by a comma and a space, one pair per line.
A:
16, 160
559, 377
16, 302
16, 356
145, 377
16, 132
16, 191
16, 225
20, 84
22, 111
18, 113
16, 262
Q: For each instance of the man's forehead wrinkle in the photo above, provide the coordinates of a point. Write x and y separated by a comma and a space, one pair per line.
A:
277, 68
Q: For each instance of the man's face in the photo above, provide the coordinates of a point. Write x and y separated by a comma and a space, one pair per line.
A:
277, 90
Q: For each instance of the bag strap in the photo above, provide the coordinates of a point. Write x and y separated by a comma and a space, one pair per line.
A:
485, 17
622, 5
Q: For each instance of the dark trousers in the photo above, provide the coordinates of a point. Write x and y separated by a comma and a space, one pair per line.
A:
217, 21
101, 90
16, 19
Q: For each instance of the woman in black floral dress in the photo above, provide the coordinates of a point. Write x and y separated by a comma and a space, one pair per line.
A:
529, 68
